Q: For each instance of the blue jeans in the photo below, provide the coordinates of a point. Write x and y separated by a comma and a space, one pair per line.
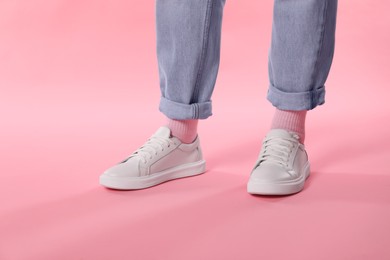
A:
188, 51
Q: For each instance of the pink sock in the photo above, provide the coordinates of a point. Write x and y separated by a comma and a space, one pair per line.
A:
185, 130
293, 121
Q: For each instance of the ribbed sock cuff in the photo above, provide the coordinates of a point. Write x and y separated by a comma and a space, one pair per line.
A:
293, 121
185, 130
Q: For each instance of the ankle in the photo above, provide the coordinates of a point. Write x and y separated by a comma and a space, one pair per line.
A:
185, 130
293, 121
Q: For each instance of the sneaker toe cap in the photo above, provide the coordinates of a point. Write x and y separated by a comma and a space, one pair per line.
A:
271, 173
129, 168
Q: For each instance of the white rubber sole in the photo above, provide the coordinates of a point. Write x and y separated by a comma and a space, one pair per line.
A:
135, 183
279, 188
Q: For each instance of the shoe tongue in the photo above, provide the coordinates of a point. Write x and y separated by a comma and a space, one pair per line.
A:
280, 133
163, 132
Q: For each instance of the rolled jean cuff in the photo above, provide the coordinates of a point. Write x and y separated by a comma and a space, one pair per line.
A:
180, 111
296, 101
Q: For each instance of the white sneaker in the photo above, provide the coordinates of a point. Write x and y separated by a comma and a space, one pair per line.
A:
161, 158
282, 166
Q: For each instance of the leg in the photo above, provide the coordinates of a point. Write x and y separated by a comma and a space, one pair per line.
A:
300, 57
188, 41
188, 49
302, 46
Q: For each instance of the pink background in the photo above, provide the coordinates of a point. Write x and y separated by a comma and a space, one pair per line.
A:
79, 92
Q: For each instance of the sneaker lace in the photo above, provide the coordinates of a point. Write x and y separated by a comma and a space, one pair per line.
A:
277, 150
152, 147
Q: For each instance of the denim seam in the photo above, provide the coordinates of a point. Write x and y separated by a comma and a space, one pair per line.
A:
321, 41
203, 51
194, 110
